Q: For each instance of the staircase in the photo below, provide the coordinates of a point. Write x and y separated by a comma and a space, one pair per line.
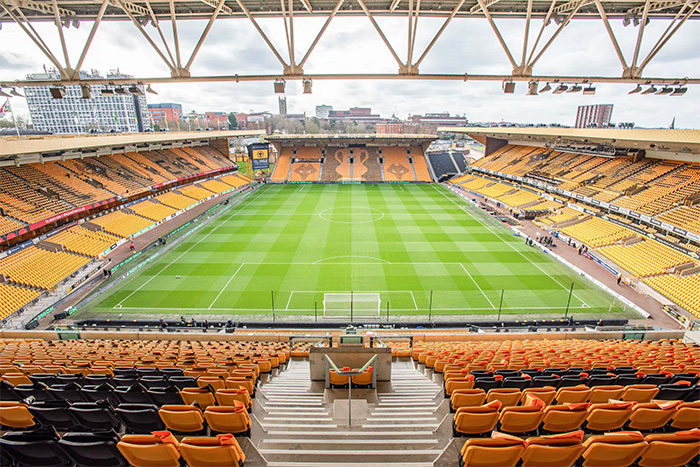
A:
397, 426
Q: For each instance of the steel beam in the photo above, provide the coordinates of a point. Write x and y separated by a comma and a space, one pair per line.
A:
43, 7
611, 34
640, 35
478, 7
91, 36
381, 34
554, 36
204, 34
262, 33
439, 32
320, 33
485, 9
666, 37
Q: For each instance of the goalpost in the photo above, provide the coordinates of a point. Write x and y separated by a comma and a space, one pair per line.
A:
351, 304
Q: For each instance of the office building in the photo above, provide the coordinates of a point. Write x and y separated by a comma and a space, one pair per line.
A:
594, 116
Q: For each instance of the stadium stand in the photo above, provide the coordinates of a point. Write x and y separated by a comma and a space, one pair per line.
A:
305, 171
84, 242
153, 210
121, 223
176, 200
396, 165
646, 258
39, 268
367, 167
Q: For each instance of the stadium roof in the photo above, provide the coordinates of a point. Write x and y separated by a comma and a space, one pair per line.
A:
345, 139
11, 146
678, 141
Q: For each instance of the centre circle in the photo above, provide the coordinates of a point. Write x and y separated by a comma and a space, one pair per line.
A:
351, 215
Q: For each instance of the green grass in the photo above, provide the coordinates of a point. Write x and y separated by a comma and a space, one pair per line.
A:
401, 241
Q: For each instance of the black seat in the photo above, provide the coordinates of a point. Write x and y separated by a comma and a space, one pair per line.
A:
95, 416
38, 391
71, 392
38, 448
693, 395
93, 449
134, 394
139, 418
125, 371
656, 379
487, 384
626, 370
481, 374
166, 395
98, 379
46, 378
628, 379
598, 371
673, 392
155, 381
182, 382
70, 378
532, 372
542, 381
171, 372
518, 382
55, 414
147, 372
99, 392
602, 380
554, 371
690, 377
8, 392
569, 381
121, 380
507, 373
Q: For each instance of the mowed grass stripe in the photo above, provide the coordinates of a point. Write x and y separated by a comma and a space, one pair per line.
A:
384, 238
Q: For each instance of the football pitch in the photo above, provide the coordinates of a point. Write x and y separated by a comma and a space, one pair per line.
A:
401, 249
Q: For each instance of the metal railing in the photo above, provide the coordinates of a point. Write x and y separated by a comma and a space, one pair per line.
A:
350, 374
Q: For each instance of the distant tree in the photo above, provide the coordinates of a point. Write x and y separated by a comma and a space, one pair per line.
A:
311, 127
232, 122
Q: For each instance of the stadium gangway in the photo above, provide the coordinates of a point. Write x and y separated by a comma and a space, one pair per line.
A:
375, 340
318, 341
350, 374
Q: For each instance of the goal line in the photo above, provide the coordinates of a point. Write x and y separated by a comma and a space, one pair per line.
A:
355, 304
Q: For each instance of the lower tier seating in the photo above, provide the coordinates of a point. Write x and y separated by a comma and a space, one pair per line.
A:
12, 298
681, 289
646, 258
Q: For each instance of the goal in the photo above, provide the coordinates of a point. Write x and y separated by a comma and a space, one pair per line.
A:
355, 304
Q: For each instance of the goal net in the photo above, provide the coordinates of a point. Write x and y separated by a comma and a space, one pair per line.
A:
355, 304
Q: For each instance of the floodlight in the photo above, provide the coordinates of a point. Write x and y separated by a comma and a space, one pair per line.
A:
75, 23
532, 88
560, 89
636, 90
307, 86
508, 87
557, 19
635, 21
142, 20
626, 21
664, 91
135, 90
57, 93
589, 91
575, 88
86, 91
121, 92
4, 94
679, 91
650, 90
15, 93
546, 88
279, 87
150, 89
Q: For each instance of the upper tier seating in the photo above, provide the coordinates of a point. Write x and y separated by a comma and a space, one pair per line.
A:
176, 200
686, 216
153, 210
681, 289
122, 224
596, 232
84, 242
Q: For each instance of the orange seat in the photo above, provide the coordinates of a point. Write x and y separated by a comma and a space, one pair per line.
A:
182, 418
522, 419
15, 415
607, 417
602, 394
560, 450
202, 396
613, 450
508, 396
466, 382
545, 394
652, 415
247, 383
467, 398
150, 450
228, 419
476, 420
364, 378
671, 449
687, 416
564, 418
492, 452
573, 395
338, 380
16, 378
228, 396
216, 382
639, 392
220, 451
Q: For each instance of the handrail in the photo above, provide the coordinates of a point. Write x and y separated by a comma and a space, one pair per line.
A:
350, 373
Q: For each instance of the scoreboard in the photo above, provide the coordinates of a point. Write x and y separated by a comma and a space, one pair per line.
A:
259, 154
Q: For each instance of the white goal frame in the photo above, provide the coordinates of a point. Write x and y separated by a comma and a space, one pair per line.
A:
345, 304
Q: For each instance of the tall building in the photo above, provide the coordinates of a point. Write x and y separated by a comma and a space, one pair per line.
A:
593, 116
165, 112
322, 111
439, 119
390, 128
283, 106
122, 109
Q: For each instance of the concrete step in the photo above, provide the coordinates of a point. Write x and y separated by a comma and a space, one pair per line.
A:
358, 444
353, 456
298, 426
352, 463
298, 419
348, 435
399, 426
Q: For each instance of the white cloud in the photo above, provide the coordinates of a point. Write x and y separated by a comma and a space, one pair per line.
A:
352, 45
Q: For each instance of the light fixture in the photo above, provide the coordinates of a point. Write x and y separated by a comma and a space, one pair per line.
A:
15, 93
75, 23
636, 90
142, 20
557, 19
307, 86
150, 89
4, 94
121, 92
279, 86
626, 21
136, 91
575, 88
532, 88
679, 91
86, 91
65, 23
650, 90
560, 89
589, 91
107, 92
664, 91
508, 87
57, 93
635, 21
546, 88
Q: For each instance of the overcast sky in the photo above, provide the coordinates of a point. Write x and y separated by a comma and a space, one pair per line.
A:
352, 45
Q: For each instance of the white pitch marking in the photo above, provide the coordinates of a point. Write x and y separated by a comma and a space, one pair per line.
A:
501, 239
394, 309
414, 298
350, 256
289, 301
477, 286
224, 288
188, 250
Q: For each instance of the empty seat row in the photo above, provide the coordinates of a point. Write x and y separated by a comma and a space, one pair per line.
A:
43, 447
609, 416
568, 449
